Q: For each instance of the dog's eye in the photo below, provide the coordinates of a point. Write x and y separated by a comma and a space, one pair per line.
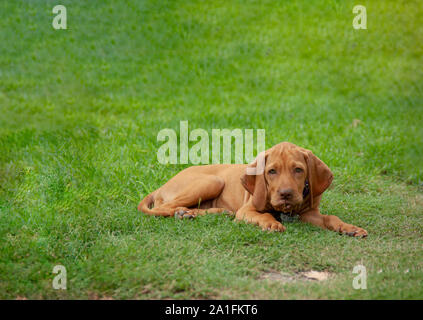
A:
298, 170
272, 171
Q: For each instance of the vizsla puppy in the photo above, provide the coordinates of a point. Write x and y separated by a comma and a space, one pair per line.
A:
284, 179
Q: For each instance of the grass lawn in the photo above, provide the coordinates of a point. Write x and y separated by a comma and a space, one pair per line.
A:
80, 110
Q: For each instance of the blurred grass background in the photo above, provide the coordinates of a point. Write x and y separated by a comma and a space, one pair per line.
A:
81, 109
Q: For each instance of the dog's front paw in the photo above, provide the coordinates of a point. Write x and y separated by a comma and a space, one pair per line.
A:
184, 213
354, 231
359, 232
272, 226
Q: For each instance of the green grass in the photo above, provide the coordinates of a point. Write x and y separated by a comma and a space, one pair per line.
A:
80, 110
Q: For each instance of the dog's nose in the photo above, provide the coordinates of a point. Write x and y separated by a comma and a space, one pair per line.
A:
286, 194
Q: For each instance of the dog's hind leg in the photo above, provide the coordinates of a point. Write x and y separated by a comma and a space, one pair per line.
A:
178, 197
192, 213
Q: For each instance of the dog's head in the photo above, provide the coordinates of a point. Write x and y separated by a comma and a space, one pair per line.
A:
279, 178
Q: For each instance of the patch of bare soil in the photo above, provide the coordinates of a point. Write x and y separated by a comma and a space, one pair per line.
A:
284, 277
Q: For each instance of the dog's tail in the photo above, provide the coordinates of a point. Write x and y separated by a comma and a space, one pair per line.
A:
146, 206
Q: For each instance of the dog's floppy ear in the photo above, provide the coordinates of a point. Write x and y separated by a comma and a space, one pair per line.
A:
254, 182
319, 175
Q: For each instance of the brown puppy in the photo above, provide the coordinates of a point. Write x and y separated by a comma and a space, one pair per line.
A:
284, 179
